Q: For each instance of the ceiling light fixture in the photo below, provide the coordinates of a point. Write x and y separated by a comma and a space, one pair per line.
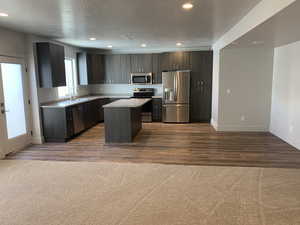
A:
143, 45
109, 46
187, 6
179, 44
93, 39
258, 42
4, 14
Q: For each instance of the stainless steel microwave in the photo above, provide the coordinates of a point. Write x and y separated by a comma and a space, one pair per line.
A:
141, 78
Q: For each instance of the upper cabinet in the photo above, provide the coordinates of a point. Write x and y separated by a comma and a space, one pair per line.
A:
156, 69
118, 68
113, 69
175, 61
125, 69
51, 65
91, 68
141, 63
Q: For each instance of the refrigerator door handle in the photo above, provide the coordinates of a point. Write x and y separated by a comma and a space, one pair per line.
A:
175, 88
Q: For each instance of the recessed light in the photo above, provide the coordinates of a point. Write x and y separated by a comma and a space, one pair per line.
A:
187, 5
143, 45
179, 44
4, 14
258, 42
109, 46
93, 39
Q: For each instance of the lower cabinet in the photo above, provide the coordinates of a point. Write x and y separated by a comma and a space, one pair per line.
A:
156, 109
61, 124
77, 118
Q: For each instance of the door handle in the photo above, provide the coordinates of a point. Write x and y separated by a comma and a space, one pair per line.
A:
175, 88
4, 111
202, 86
2, 105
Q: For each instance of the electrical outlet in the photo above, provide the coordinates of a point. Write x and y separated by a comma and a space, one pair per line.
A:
228, 91
243, 118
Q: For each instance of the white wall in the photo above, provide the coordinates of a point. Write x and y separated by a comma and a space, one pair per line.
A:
259, 14
12, 43
245, 88
285, 114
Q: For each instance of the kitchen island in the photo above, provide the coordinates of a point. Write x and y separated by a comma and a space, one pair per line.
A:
123, 119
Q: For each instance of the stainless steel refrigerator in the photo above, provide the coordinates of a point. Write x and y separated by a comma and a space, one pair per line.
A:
176, 96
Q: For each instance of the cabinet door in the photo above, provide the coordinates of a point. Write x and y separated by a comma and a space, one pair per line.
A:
157, 110
179, 60
70, 125
97, 69
100, 104
156, 69
164, 62
55, 124
78, 118
113, 68
141, 63
125, 69
58, 65
201, 86
51, 65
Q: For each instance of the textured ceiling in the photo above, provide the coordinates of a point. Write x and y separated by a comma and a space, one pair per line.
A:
125, 24
279, 30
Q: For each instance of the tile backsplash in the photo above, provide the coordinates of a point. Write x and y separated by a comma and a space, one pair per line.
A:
124, 89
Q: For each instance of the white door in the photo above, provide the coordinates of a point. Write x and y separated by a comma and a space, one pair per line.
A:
14, 106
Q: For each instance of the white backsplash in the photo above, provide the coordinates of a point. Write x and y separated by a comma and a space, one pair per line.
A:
51, 94
124, 89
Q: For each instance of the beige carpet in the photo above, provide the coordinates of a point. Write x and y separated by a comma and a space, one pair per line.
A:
67, 193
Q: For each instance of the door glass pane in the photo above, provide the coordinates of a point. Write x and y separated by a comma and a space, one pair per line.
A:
13, 99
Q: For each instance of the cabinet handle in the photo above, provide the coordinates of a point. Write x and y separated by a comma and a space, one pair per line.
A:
202, 86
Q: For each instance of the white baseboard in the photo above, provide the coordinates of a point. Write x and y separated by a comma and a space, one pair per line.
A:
37, 140
214, 124
239, 128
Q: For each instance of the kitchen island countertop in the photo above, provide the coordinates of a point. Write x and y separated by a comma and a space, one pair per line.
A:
128, 103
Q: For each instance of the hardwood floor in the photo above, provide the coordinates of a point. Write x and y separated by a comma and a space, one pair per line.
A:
187, 144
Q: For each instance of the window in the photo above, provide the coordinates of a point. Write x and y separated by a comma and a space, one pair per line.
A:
68, 90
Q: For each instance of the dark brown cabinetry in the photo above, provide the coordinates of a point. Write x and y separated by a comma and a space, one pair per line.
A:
77, 118
156, 69
125, 69
91, 68
60, 124
51, 65
201, 86
141, 63
156, 109
175, 61
113, 69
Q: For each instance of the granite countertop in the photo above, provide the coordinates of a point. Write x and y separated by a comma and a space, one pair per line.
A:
67, 103
128, 103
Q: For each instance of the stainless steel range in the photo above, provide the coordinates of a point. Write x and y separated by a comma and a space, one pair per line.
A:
147, 108
143, 92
